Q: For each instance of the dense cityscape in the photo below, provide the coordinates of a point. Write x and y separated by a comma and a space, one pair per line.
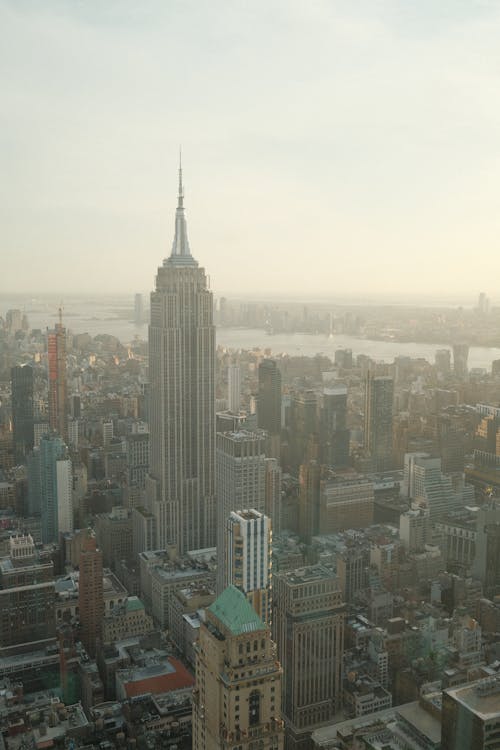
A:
224, 547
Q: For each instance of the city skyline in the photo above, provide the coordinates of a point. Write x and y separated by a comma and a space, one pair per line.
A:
235, 518
361, 137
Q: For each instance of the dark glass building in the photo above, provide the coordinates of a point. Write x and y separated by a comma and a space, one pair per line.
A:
22, 411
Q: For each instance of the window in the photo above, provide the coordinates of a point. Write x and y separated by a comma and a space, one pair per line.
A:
254, 708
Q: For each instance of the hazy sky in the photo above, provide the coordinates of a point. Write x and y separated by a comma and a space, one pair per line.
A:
329, 146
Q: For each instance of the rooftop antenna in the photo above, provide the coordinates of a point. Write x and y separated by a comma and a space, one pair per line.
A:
181, 189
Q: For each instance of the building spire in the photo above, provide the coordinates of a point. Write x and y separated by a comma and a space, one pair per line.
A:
180, 200
181, 253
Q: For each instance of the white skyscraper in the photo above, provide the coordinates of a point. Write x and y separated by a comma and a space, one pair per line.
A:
425, 483
248, 545
180, 485
233, 388
107, 432
241, 480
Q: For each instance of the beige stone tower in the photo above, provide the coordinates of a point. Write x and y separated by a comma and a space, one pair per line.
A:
181, 482
237, 700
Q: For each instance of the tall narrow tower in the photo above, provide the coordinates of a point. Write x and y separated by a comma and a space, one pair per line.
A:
233, 388
181, 482
248, 551
58, 393
269, 405
241, 482
54, 475
90, 594
22, 411
378, 420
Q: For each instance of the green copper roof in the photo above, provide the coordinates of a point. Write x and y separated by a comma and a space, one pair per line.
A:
134, 603
235, 612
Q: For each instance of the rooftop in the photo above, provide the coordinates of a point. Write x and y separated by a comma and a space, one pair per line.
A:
246, 515
481, 697
246, 435
235, 612
156, 678
134, 604
174, 572
423, 721
308, 574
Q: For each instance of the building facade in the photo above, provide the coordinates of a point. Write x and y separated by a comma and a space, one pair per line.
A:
269, 401
427, 486
181, 482
90, 594
55, 482
233, 388
241, 480
333, 427
378, 420
114, 536
22, 411
346, 501
248, 558
308, 627
58, 390
27, 594
471, 716
137, 459
236, 702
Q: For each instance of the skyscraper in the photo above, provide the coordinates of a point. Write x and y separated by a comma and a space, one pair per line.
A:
90, 594
137, 459
273, 493
22, 411
58, 394
460, 357
378, 420
425, 483
269, 408
442, 360
333, 427
236, 702
308, 627
486, 566
181, 481
241, 480
248, 542
269, 404
303, 427
138, 311
309, 481
55, 479
233, 388
34, 504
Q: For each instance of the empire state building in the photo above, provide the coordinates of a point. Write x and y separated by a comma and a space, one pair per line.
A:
181, 482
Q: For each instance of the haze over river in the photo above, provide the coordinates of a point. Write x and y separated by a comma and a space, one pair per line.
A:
109, 315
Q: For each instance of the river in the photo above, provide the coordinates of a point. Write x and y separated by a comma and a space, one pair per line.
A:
109, 315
